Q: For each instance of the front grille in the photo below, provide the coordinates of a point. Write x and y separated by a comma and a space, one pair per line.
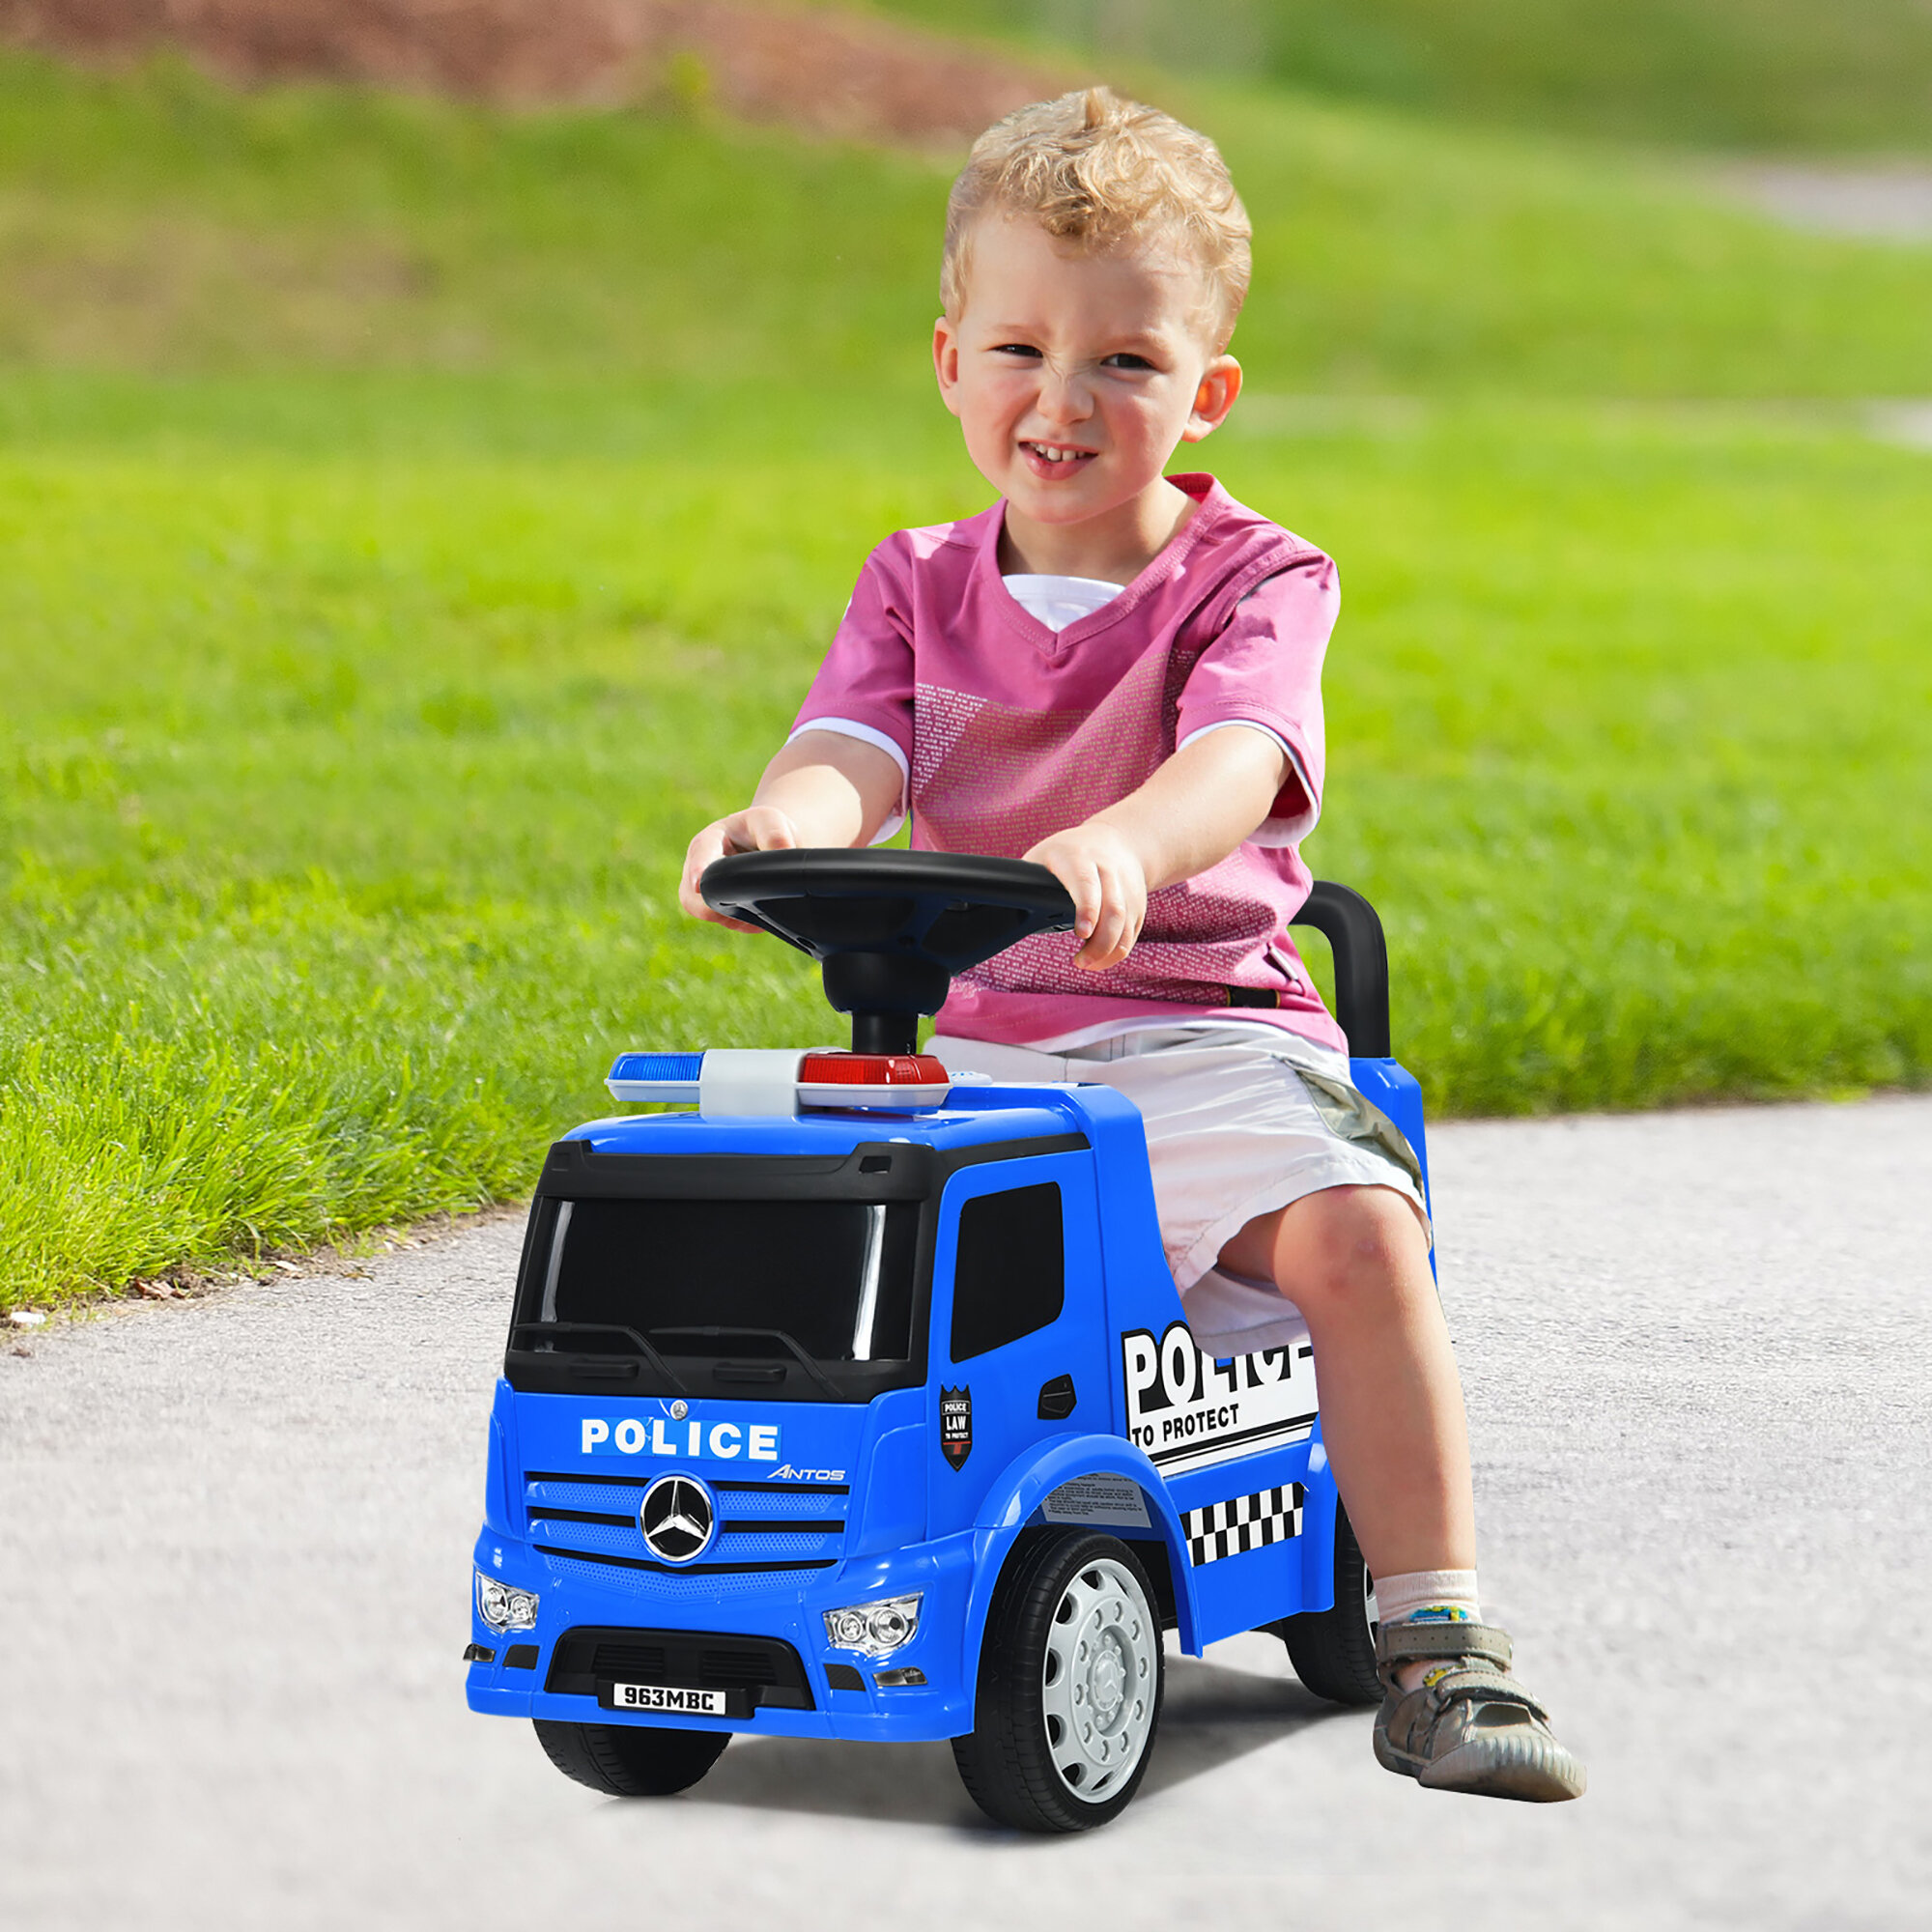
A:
662, 1586
766, 1669
761, 1526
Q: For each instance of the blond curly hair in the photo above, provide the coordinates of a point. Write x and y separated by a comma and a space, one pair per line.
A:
1099, 170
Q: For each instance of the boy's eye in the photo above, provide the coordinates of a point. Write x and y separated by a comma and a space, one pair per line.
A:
1017, 348
1126, 359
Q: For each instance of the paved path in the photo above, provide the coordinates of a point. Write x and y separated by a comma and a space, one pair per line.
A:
1887, 203
234, 1575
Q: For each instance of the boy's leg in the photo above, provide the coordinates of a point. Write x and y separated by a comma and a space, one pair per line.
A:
1355, 1262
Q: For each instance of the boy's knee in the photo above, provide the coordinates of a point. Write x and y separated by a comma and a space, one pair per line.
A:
1345, 1242
1369, 1219
1357, 1227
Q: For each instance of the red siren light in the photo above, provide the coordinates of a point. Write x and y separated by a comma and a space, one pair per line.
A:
872, 1080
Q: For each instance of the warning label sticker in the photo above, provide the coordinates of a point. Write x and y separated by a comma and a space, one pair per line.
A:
1187, 1411
1113, 1500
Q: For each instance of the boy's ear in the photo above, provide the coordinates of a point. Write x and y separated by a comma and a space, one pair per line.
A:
945, 361
1220, 384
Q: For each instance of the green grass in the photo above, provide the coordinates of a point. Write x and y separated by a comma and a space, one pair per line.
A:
361, 694
1853, 75
160, 225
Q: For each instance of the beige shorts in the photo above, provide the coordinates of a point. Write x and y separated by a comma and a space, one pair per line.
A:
1240, 1121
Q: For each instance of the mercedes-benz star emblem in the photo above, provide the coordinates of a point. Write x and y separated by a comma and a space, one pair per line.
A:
677, 1518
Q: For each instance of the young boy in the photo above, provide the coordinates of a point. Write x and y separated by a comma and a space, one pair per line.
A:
1116, 674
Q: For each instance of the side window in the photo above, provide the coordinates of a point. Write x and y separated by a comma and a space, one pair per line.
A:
1011, 1275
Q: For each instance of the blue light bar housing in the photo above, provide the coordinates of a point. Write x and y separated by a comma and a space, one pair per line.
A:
668, 1078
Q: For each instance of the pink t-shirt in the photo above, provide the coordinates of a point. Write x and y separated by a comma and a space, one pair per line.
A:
1010, 731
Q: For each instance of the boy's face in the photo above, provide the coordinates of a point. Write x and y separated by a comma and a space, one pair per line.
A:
1075, 374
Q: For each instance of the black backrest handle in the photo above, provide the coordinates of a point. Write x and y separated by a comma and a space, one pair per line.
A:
1349, 923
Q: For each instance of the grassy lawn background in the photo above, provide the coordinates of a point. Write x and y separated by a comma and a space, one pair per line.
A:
1852, 74
413, 524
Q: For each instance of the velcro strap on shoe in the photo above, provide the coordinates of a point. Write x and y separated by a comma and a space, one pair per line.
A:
1482, 1686
1441, 1643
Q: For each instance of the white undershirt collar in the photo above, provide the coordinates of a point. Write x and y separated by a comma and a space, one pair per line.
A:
1060, 600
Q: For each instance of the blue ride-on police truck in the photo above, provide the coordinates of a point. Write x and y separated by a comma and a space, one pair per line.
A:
846, 1401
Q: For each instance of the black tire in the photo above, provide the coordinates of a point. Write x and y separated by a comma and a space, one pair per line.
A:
631, 1760
1027, 1763
1333, 1650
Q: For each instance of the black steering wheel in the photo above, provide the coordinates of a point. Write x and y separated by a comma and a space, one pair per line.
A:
890, 928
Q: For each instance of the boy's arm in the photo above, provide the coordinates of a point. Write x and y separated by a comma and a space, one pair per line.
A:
823, 788
1195, 809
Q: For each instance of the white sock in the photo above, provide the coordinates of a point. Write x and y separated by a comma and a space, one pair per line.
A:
1428, 1596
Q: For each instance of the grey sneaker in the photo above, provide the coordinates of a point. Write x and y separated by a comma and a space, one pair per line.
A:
1469, 1725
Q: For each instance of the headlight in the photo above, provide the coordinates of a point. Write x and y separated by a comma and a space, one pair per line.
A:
503, 1608
874, 1628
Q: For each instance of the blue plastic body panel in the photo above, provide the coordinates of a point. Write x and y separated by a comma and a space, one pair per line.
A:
1212, 1470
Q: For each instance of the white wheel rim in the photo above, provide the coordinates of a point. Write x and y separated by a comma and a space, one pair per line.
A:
1370, 1609
1097, 1680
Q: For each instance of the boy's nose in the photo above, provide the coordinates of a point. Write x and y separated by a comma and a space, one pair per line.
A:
1065, 398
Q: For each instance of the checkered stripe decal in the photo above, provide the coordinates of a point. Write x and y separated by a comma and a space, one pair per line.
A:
1243, 1523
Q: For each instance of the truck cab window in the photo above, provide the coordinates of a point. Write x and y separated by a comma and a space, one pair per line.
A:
833, 1279
1010, 1278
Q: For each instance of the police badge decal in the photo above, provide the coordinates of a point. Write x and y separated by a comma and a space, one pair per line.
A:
956, 1425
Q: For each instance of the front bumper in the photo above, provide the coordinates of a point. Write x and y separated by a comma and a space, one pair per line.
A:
516, 1681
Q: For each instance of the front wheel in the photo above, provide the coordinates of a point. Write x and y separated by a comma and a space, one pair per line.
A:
631, 1760
1070, 1681
1333, 1650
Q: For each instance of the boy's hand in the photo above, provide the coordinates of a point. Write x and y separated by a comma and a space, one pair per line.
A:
758, 828
823, 788
1190, 814
1099, 866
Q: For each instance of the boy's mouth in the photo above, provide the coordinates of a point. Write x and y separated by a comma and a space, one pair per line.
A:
1056, 459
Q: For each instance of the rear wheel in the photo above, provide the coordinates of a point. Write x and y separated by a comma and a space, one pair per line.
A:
1070, 1680
1333, 1650
631, 1760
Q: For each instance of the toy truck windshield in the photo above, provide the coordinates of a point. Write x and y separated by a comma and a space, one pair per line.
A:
796, 1300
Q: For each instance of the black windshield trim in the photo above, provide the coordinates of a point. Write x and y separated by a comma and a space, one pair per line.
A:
711, 1332
644, 1351
913, 1171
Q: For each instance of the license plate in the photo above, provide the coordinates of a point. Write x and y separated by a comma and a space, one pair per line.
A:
670, 1697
